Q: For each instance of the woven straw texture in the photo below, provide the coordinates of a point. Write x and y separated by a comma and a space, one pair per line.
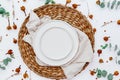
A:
57, 12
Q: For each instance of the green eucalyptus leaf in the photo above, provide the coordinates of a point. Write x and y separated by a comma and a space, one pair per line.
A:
99, 75
47, 1
2, 67
105, 46
104, 73
53, 2
110, 77
119, 62
99, 72
113, 4
6, 61
118, 4
2, 10
118, 53
9, 59
7, 14
102, 5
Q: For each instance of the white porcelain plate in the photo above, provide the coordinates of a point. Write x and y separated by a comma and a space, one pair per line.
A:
56, 43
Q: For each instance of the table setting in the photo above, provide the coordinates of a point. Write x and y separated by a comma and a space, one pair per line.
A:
59, 40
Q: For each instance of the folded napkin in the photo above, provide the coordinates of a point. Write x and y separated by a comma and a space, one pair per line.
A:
84, 54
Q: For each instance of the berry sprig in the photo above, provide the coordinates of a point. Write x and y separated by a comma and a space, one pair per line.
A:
103, 74
18, 71
7, 60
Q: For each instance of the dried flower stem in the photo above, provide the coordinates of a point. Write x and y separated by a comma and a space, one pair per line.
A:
25, 13
106, 23
13, 12
8, 21
23, 9
13, 75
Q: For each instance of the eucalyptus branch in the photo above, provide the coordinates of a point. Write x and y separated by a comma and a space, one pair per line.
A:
115, 4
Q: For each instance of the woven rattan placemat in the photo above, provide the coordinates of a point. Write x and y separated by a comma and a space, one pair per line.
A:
57, 12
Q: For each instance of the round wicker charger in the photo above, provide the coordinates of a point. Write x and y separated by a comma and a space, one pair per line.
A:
57, 12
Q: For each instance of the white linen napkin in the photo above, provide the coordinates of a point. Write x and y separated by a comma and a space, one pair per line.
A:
85, 52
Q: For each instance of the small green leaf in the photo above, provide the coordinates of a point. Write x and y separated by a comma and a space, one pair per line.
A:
105, 46
110, 77
118, 4
119, 62
118, 53
6, 61
47, 1
2, 67
99, 73
9, 59
102, 5
104, 73
7, 14
113, 4
53, 2
2, 10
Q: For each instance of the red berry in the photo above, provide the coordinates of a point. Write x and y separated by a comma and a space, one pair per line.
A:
99, 51
10, 51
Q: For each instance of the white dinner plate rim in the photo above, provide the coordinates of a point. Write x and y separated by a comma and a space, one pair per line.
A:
57, 63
